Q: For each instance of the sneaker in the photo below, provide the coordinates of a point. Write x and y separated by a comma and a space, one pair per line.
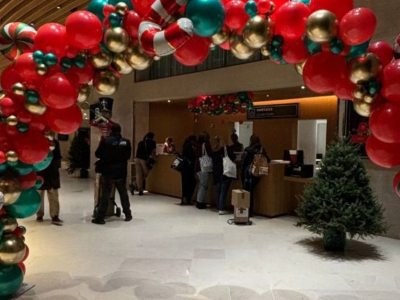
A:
99, 221
39, 219
223, 212
56, 221
128, 218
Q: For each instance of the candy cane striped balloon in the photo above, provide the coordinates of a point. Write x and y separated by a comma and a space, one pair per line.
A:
16, 38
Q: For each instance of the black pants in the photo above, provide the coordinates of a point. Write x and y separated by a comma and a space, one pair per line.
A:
188, 185
249, 183
106, 187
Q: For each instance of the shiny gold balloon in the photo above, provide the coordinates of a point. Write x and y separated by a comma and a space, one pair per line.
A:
156, 57
299, 67
12, 120
244, 105
2, 95
239, 48
116, 39
265, 50
12, 250
121, 8
220, 38
258, 32
138, 58
359, 92
368, 98
364, 68
120, 64
84, 93
18, 89
322, 26
10, 188
36, 108
11, 156
361, 107
105, 82
101, 60
237, 101
41, 69
9, 224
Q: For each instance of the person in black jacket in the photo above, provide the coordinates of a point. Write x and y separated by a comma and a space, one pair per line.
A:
114, 151
51, 184
143, 162
187, 174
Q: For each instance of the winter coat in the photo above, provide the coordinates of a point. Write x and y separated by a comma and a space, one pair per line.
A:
51, 175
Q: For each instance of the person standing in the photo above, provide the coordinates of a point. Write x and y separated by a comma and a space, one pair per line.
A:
145, 151
51, 185
203, 142
187, 174
114, 152
236, 147
169, 146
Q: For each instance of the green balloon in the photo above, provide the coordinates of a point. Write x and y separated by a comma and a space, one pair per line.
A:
43, 164
207, 16
38, 184
115, 19
277, 41
66, 62
27, 204
358, 50
23, 229
38, 57
80, 61
23, 127
312, 47
374, 86
11, 278
50, 59
337, 46
96, 7
21, 169
1, 224
115, 2
306, 2
251, 8
3, 168
32, 96
276, 54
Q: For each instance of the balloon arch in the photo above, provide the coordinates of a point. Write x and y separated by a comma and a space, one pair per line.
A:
328, 41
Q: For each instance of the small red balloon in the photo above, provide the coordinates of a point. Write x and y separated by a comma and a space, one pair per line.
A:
38, 123
28, 181
64, 121
108, 9
131, 23
391, 81
291, 19
2, 157
263, 6
22, 267
194, 52
294, 50
386, 155
235, 14
58, 92
12, 131
9, 77
51, 38
26, 254
18, 232
84, 30
383, 50
81, 75
142, 6
32, 147
345, 89
26, 67
358, 26
384, 123
338, 7
8, 106
24, 116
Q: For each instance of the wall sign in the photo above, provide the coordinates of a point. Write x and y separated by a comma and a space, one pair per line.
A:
274, 111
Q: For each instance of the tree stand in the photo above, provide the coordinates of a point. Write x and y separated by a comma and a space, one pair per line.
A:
334, 240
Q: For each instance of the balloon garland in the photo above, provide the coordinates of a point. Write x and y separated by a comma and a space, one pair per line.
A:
328, 41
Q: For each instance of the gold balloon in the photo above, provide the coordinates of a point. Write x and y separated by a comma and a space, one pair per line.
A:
36, 108
105, 82
359, 92
9, 224
220, 38
2, 95
12, 120
10, 188
120, 64
41, 69
138, 58
258, 32
18, 89
364, 68
244, 105
237, 101
322, 26
84, 93
265, 50
12, 250
300, 66
156, 57
361, 107
11, 156
101, 60
121, 8
368, 98
239, 48
116, 39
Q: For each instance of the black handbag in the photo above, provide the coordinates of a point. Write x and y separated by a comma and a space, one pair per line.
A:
180, 163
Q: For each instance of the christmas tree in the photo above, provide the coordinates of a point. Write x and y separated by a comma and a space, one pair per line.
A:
79, 155
341, 200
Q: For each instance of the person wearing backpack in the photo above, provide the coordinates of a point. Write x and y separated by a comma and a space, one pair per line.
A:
114, 152
203, 167
144, 160
249, 182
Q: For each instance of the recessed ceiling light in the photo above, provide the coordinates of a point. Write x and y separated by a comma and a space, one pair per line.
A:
32, 24
169, 101
303, 87
59, 7
267, 96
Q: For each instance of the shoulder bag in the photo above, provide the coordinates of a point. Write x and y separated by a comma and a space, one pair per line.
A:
260, 165
206, 163
229, 166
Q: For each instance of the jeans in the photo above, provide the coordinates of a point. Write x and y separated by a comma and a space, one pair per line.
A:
222, 192
106, 187
203, 186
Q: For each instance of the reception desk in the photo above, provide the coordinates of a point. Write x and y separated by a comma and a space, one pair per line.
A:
274, 195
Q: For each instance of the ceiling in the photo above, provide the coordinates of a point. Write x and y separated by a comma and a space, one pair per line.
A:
37, 12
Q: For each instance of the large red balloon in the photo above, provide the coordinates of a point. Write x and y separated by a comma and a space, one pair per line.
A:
358, 26
278, 4
131, 23
383, 50
28, 181
345, 88
84, 30
323, 71
384, 122
142, 6
32, 147
391, 81
64, 121
338, 7
291, 19
294, 50
38, 122
194, 52
58, 92
396, 184
9, 77
81, 75
51, 38
235, 14
26, 67
386, 155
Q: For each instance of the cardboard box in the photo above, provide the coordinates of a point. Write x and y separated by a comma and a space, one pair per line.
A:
241, 215
240, 198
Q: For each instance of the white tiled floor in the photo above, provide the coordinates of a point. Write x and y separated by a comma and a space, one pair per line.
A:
180, 253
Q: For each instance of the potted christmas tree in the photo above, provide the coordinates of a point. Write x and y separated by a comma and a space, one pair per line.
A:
79, 155
341, 200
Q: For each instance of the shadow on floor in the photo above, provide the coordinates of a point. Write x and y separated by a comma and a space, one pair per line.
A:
355, 250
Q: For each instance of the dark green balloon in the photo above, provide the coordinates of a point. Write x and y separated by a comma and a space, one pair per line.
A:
312, 47
38, 184
96, 7
306, 2
66, 62
337, 46
11, 278
115, 19
21, 169
276, 54
1, 227
43, 164
23, 127
277, 41
80, 61
251, 8
50, 59
38, 57
3, 168
27, 204
374, 86
32, 96
358, 50
115, 2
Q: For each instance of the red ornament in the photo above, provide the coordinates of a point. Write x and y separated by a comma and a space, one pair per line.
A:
81, 75
383, 154
51, 38
26, 254
18, 232
391, 81
84, 30
235, 14
263, 6
194, 52
32, 147
291, 19
24, 116
38, 123
64, 121
384, 123
28, 181
8, 106
358, 26
58, 92
383, 50
338, 7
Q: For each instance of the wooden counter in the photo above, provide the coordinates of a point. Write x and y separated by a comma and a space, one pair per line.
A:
295, 187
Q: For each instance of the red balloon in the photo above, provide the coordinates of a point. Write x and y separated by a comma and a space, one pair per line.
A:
225, 46
378, 101
51, 38
9, 77
358, 26
2, 157
131, 23
263, 6
383, 154
58, 92
323, 71
142, 6
108, 9
383, 50
26, 67
194, 52
294, 50
24, 116
338, 7
291, 19
18, 232
278, 4
8, 106
80, 75
235, 14
64, 121
28, 181
32, 147
22, 267
12, 130
384, 122
38, 123
84, 29
345, 89
391, 81
26, 254
396, 184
